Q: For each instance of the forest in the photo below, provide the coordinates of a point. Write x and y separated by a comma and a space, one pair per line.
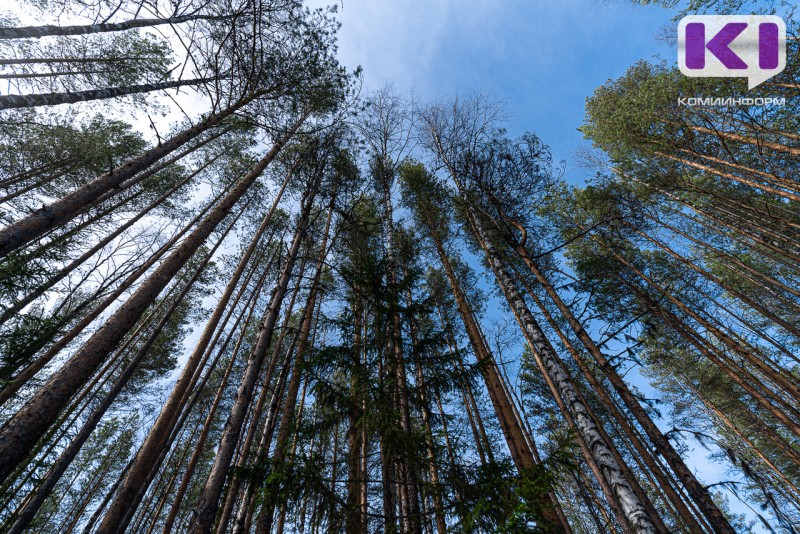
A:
277, 309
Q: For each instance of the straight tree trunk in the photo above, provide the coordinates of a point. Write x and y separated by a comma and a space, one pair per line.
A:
158, 435
264, 522
244, 515
81, 60
740, 375
749, 301
406, 470
747, 140
776, 180
509, 424
241, 461
55, 99
57, 470
695, 339
726, 421
62, 211
731, 176
37, 32
200, 443
64, 271
562, 386
697, 491
30, 371
22, 431
622, 420
353, 522
389, 486
205, 511
441, 524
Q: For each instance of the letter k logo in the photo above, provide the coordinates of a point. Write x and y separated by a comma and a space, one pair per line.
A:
728, 46
718, 45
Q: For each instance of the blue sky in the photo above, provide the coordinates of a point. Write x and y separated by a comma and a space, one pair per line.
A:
544, 58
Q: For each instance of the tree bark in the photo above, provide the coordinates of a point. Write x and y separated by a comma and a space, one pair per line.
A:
55, 99
697, 491
205, 510
244, 452
30, 371
65, 459
731, 176
562, 386
61, 273
37, 32
264, 522
61, 211
743, 377
200, 443
522, 456
22, 431
158, 434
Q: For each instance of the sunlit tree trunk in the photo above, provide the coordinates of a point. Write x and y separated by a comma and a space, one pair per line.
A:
37, 32
264, 522
698, 492
635, 512
54, 99
145, 460
207, 506
62, 211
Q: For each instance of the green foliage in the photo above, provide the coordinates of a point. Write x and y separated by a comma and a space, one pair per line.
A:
495, 498
71, 150
718, 7
90, 61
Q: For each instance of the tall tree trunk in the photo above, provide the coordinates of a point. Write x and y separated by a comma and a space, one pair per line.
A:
264, 522
365, 443
739, 374
622, 421
715, 412
776, 180
747, 140
61, 211
30, 371
23, 430
205, 510
697, 491
521, 454
241, 461
59, 275
54, 99
561, 385
55, 472
749, 301
145, 460
731, 176
438, 505
355, 446
406, 470
37, 32
389, 486
244, 515
210, 417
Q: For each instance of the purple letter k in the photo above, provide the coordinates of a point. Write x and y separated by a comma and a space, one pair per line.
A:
718, 45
